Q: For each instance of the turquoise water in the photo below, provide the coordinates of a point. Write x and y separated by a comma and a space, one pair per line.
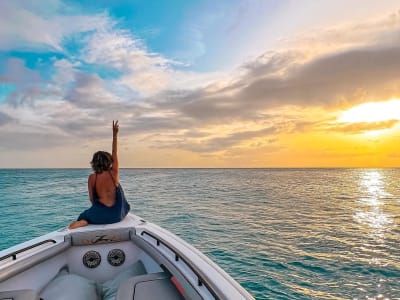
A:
282, 233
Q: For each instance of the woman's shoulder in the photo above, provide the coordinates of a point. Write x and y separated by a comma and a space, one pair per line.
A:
92, 177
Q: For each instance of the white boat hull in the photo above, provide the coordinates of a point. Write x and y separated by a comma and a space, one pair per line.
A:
32, 265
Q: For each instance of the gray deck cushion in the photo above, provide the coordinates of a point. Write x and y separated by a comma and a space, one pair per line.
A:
110, 287
19, 295
67, 286
153, 286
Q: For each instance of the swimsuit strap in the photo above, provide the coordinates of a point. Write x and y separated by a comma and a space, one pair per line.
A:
109, 172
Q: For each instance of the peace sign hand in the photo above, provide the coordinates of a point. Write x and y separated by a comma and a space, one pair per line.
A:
115, 127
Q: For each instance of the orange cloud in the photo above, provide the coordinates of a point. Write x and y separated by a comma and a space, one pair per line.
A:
361, 127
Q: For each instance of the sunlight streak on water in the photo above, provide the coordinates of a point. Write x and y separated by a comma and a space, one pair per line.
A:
373, 197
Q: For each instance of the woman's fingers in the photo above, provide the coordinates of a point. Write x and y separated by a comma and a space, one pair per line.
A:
115, 126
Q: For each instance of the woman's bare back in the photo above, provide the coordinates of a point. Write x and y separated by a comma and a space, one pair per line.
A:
104, 186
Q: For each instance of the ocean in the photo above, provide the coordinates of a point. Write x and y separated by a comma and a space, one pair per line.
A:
281, 233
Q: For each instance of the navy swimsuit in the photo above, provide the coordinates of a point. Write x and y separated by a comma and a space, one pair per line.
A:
102, 214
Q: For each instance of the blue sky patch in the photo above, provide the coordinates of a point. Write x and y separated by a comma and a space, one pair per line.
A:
5, 90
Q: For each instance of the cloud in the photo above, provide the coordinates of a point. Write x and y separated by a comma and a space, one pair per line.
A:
381, 30
226, 142
361, 127
42, 32
324, 81
104, 44
119, 49
12, 140
141, 69
5, 118
273, 81
288, 79
27, 82
88, 91
214, 144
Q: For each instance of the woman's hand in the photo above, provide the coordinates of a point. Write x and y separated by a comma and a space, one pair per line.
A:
115, 127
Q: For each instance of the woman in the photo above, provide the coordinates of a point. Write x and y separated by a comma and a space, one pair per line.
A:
106, 195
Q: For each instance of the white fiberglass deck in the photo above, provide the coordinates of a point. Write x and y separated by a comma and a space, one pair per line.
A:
170, 266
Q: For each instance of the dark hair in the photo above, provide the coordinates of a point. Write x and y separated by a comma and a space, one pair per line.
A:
101, 161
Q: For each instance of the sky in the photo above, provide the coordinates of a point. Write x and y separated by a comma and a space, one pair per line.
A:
213, 84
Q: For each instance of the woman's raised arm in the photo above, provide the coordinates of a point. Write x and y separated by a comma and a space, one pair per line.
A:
115, 165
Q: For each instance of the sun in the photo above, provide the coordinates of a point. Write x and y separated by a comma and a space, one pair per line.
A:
372, 112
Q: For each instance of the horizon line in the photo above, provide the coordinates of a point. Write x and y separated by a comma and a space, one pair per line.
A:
122, 168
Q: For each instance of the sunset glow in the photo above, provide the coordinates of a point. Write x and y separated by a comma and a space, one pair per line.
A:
228, 83
373, 112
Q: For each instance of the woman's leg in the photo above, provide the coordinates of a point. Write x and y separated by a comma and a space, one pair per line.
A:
77, 224
80, 222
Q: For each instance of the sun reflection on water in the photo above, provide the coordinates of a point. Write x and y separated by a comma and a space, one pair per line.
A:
371, 214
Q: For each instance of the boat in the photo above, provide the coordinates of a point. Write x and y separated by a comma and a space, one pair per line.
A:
132, 259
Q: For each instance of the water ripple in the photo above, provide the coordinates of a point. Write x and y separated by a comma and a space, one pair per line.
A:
282, 233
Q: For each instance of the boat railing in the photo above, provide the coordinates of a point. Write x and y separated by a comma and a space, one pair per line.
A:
179, 256
14, 254
25, 262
